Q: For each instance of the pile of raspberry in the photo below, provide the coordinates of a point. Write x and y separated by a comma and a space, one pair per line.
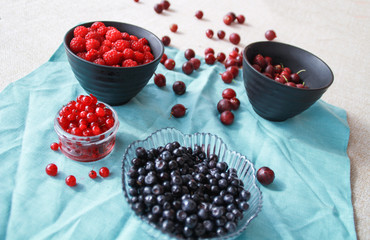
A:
106, 45
85, 117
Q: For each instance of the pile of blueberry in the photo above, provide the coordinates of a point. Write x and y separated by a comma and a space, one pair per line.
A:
185, 193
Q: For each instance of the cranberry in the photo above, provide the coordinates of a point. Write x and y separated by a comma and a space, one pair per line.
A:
233, 54
221, 34
209, 50
209, 33
260, 60
235, 103
270, 35
195, 62
234, 38
92, 174
158, 8
179, 87
265, 175
159, 80
189, 53
178, 110
227, 117
165, 4
51, 169
230, 62
228, 19
210, 59
199, 14
71, 180
169, 64
54, 146
166, 40
187, 68
221, 57
228, 93
223, 105
173, 28
104, 172
163, 58
234, 71
240, 18
227, 77
232, 15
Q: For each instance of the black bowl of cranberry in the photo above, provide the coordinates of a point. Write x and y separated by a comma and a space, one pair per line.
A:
282, 80
112, 60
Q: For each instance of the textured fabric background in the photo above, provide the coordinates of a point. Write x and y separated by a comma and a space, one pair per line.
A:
336, 31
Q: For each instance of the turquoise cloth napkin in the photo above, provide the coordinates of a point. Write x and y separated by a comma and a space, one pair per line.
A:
310, 198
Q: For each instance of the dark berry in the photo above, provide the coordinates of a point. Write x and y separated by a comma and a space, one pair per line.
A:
227, 117
188, 67
209, 33
265, 175
179, 87
228, 93
224, 105
173, 28
210, 59
195, 62
221, 34
178, 110
158, 8
199, 14
270, 35
166, 40
189, 53
234, 38
169, 64
159, 80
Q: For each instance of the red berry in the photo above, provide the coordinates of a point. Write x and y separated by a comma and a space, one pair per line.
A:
80, 31
228, 93
199, 14
221, 34
227, 117
129, 63
92, 44
173, 28
270, 35
54, 146
265, 175
221, 57
104, 172
228, 19
234, 38
71, 180
189, 53
179, 87
99, 111
210, 59
209, 33
160, 80
77, 44
169, 64
51, 169
290, 84
227, 77
163, 58
240, 19
165, 4
234, 70
178, 110
223, 105
113, 35
166, 40
209, 50
158, 8
111, 57
235, 103
187, 67
92, 174
195, 62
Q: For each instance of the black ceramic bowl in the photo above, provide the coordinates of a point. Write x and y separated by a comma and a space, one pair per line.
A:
115, 85
275, 101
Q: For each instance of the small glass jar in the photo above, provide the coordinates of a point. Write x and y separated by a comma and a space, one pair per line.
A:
87, 149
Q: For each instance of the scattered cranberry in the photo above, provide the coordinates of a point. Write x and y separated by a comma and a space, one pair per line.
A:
227, 117
158, 8
209, 33
54, 146
270, 35
223, 105
265, 175
235, 103
169, 64
232, 15
179, 87
165, 4
51, 169
230, 62
221, 34
227, 77
228, 93
178, 110
234, 38
221, 57
188, 67
71, 180
189, 53
209, 50
173, 27
104, 172
240, 18
163, 58
196, 63
159, 80
234, 70
166, 40
199, 14
92, 174
228, 19
210, 59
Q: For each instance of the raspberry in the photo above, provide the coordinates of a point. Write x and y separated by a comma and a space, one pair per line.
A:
143, 41
128, 53
92, 35
97, 25
111, 28
92, 44
99, 61
91, 55
148, 56
138, 57
113, 35
111, 57
134, 38
82, 55
80, 31
102, 31
129, 63
120, 45
125, 36
103, 49
107, 43
137, 46
77, 44
146, 48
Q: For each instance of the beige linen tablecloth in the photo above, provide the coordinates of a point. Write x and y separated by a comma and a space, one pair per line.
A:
336, 31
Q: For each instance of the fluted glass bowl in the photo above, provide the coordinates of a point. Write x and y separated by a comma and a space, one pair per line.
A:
211, 144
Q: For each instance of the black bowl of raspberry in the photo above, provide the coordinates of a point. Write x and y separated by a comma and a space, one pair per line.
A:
112, 60
276, 101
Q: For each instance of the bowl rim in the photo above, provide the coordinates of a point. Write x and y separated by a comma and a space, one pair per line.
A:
89, 139
171, 236
249, 46
66, 45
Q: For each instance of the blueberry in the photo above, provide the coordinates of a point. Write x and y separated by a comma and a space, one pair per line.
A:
199, 177
213, 157
199, 230
220, 231
180, 161
192, 184
161, 166
141, 171
220, 222
218, 200
149, 166
157, 189
243, 206
203, 213
208, 225
169, 214
136, 162
188, 205
150, 200
168, 225
176, 190
166, 155
191, 221
230, 226
150, 179
172, 165
161, 199
222, 166
197, 150
244, 195
216, 212
176, 204
141, 153
151, 217
187, 231
177, 152
164, 176
230, 216
147, 190
157, 210
181, 215
133, 173
222, 183
212, 164
133, 192
231, 189
228, 198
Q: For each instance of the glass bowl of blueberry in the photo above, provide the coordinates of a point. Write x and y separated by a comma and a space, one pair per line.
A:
189, 186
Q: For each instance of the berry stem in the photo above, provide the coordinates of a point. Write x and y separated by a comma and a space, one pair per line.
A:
303, 70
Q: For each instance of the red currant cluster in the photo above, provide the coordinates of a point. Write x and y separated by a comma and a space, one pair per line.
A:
228, 103
106, 45
85, 117
52, 170
159, 7
277, 72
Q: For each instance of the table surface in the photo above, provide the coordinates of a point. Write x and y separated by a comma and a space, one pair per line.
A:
336, 31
